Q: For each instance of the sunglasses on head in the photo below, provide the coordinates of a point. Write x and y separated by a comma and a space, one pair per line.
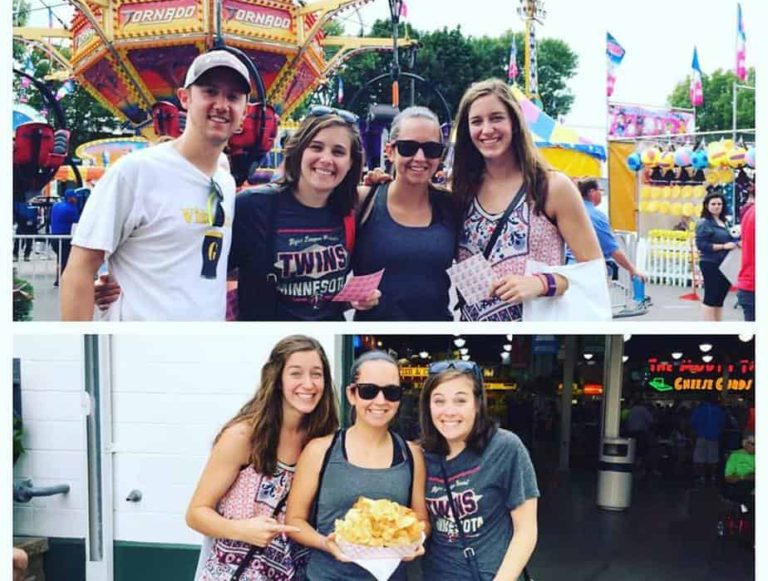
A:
323, 110
408, 148
371, 391
469, 367
215, 205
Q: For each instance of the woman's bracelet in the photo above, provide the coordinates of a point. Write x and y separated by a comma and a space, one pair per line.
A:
551, 283
543, 282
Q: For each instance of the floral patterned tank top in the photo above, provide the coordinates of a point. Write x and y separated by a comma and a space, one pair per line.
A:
253, 494
526, 236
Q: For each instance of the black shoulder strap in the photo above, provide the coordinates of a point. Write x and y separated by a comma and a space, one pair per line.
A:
254, 549
367, 201
503, 222
467, 550
326, 458
401, 441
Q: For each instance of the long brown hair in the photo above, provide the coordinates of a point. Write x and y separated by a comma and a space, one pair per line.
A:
264, 412
483, 429
344, 196
469, 164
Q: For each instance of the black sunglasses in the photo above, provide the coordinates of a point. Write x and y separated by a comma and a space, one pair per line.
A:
215, 205
371, 390
408, 148
323, 110
469, 367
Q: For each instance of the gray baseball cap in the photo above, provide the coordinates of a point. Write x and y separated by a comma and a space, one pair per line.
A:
214, 59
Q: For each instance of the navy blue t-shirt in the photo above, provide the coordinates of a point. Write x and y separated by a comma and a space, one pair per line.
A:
311, 260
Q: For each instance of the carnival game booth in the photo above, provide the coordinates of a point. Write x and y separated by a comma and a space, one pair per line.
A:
657, 186
562, 146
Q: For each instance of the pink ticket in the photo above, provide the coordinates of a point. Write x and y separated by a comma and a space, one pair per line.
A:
473, 278
359, 288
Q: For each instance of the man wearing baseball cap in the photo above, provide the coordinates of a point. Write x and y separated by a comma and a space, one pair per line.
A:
162, 216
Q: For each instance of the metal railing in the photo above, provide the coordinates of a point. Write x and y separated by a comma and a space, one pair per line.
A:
38, 257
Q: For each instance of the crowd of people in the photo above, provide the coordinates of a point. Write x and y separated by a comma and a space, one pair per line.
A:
171, 229
281, 472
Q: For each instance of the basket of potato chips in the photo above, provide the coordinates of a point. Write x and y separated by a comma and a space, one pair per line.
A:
379, 529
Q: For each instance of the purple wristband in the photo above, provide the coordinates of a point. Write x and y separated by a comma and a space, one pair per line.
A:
551, 284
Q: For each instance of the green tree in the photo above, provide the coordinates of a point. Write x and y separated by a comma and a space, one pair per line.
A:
451, 61
716, 114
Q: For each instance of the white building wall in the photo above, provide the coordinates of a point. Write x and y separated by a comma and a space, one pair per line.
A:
54, 435
170, 396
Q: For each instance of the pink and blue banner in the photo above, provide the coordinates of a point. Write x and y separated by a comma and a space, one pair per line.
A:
696, 92
741, 47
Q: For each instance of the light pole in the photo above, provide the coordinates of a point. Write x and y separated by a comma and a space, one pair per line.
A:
395, 7
531, 11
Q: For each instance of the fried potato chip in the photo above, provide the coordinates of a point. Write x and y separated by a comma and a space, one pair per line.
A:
379, 523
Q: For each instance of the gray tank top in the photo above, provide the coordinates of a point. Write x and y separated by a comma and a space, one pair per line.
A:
341, 485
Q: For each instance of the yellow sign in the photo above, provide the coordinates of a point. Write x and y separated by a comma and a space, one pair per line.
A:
711, 384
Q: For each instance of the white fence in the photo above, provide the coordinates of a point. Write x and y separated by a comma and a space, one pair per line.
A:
672, 258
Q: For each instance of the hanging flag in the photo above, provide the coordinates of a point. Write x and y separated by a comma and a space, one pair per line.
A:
615, 53
65, 90
696, 92
741, 46
340, 92
403, 10
613, 49
610, 81
512, 66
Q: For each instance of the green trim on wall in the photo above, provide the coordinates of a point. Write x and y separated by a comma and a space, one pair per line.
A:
64, 560
154, 561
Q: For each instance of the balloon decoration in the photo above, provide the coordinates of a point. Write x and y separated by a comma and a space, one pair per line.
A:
651, 156
737, 156
749, 157
683, 156
668, 187
634, 162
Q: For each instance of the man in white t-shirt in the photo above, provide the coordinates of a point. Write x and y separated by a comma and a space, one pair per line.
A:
162, 216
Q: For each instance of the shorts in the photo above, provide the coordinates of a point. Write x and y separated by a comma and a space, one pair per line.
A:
706, 451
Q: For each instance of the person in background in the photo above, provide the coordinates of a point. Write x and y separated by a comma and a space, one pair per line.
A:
745, 283
740, 472
707, 422
640, 427
239, 502
64, 214
592, 195
25, 217
714, 241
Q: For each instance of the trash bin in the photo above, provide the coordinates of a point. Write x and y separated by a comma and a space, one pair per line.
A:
614, 480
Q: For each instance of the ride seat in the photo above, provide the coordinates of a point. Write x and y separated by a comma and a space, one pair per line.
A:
32, 144
246, 138
166, 119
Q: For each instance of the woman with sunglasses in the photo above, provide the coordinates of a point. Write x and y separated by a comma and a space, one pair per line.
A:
500, 180
366, 459
292, 240
239, 502
407, 226
481, 486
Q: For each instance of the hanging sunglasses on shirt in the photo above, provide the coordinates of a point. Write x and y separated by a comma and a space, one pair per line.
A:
213, 239
469, 367
323, 110
371, 390
408, 148
215, 205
